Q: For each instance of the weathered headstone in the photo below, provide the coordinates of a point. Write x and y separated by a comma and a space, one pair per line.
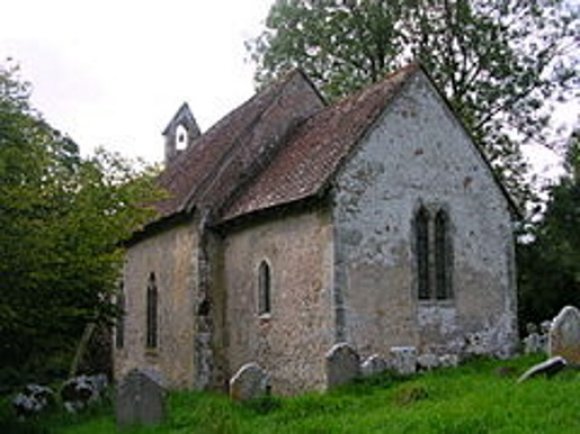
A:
548, 368
251, 381
342, 365
373, 365
565, 335
449, 361
404, 360
428, 361
140, 400
533, 343
531, 328
545, 327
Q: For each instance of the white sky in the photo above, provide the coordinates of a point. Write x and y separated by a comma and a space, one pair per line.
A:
113, 72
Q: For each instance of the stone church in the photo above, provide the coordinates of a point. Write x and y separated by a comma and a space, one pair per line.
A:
292, 225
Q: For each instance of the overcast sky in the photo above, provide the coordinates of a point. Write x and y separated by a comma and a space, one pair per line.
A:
113, 72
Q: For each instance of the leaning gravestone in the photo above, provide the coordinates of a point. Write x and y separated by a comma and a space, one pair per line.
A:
373, 365
564, 338
548, 368
342, 365
140, 400
249, 382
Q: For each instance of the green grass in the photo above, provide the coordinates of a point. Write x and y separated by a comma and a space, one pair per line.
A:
473, 399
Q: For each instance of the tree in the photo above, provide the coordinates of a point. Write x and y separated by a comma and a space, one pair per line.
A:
62, 218
550, 264
500, 63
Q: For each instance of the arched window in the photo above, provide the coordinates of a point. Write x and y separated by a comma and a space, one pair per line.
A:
442, 256
120, 324
264, 288
181, 137
151, 326
433, 254
422, 252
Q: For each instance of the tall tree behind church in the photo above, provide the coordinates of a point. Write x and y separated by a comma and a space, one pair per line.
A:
502, 64
550, 264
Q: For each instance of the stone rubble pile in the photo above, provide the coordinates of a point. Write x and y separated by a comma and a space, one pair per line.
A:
32, 400
537, 341
75, 394
80, 392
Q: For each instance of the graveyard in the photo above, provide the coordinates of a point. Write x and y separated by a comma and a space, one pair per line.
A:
480, 396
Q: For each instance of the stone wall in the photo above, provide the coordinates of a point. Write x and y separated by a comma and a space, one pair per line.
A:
417, 155
291, 341
172, 255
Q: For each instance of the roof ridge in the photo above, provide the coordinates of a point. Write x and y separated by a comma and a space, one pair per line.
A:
375, 97
212, 175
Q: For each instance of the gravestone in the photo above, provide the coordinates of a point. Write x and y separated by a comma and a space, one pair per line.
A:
548, 368
404, 360
545, 327
140, 400
249, 382
564, 337
449, 361
374, 365
342, 365
533, 343
428, 361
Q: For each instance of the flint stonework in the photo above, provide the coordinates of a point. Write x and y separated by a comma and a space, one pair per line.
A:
293, 182
428, 361
404, 360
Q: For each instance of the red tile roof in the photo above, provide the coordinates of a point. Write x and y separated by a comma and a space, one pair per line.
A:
209, 171
316, 150
281, 146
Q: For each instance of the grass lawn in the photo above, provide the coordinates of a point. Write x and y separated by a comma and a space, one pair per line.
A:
475, 398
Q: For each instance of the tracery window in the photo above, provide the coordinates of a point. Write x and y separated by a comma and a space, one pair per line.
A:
422, 249
433, 250
442, 256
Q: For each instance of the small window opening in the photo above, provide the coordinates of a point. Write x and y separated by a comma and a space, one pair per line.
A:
264, 289
442, 260
181, 138
422, 249
151, 326
433, 255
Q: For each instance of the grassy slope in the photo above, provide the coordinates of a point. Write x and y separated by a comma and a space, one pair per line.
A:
472, 399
